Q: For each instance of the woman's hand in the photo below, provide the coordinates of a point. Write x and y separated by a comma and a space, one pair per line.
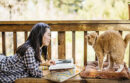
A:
48, 63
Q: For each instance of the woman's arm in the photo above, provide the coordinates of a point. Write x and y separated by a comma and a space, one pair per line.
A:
31, 65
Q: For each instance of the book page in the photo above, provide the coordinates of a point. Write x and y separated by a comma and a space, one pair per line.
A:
62, 64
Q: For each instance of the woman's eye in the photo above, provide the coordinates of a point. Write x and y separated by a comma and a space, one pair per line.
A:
49, 34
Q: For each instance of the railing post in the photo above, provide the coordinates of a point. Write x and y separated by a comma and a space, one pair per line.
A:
15, 41
61, 45
49, 51
73, 46
129, 19
26, 35
96, 59
3, 43
85, 48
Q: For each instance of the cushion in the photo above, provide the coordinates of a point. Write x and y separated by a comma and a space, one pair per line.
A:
91, 71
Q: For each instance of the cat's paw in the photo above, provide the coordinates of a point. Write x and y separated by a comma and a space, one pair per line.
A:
107, 68
119, 70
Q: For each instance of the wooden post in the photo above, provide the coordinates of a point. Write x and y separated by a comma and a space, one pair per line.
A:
15, 41
25, 35
95, 54
61, 45
49, 51
3, 43
73, 46
129, 19
85, 48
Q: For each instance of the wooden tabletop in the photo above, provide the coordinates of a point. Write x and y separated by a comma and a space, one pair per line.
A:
76, 79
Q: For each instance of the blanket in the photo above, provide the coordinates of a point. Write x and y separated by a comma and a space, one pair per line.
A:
91, 71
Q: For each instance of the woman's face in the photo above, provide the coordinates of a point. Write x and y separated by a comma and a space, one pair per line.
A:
46, 38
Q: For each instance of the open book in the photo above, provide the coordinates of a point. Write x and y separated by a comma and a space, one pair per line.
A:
63, 75
62, 64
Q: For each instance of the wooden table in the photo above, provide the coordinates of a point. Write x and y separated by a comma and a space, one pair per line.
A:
76, 79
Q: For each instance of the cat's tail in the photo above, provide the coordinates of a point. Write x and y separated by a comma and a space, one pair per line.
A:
127, 39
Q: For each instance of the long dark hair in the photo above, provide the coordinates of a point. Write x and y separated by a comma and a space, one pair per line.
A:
35, 41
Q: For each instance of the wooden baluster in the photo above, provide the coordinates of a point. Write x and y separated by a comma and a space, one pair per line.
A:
85, 48
95, 55
73, 46
15, 41
49, 51
129, 19
26, 35
3, 43
129, 54
61, 45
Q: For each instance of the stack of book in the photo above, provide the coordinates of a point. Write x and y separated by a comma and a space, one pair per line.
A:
62, 71
62, 64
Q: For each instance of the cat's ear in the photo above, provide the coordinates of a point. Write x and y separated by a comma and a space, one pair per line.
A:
86, 36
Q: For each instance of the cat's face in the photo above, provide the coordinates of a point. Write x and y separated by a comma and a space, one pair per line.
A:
91, 38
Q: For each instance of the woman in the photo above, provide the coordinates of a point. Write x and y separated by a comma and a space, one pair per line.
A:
26, 61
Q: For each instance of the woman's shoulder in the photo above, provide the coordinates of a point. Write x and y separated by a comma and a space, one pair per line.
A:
29, 53
30, 49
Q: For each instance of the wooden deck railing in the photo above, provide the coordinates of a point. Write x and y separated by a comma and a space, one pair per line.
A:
61, 27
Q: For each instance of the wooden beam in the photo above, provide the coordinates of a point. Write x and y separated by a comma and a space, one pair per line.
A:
61, 45
68, 21
72, 27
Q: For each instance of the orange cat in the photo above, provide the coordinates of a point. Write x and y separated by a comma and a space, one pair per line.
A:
109, 43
